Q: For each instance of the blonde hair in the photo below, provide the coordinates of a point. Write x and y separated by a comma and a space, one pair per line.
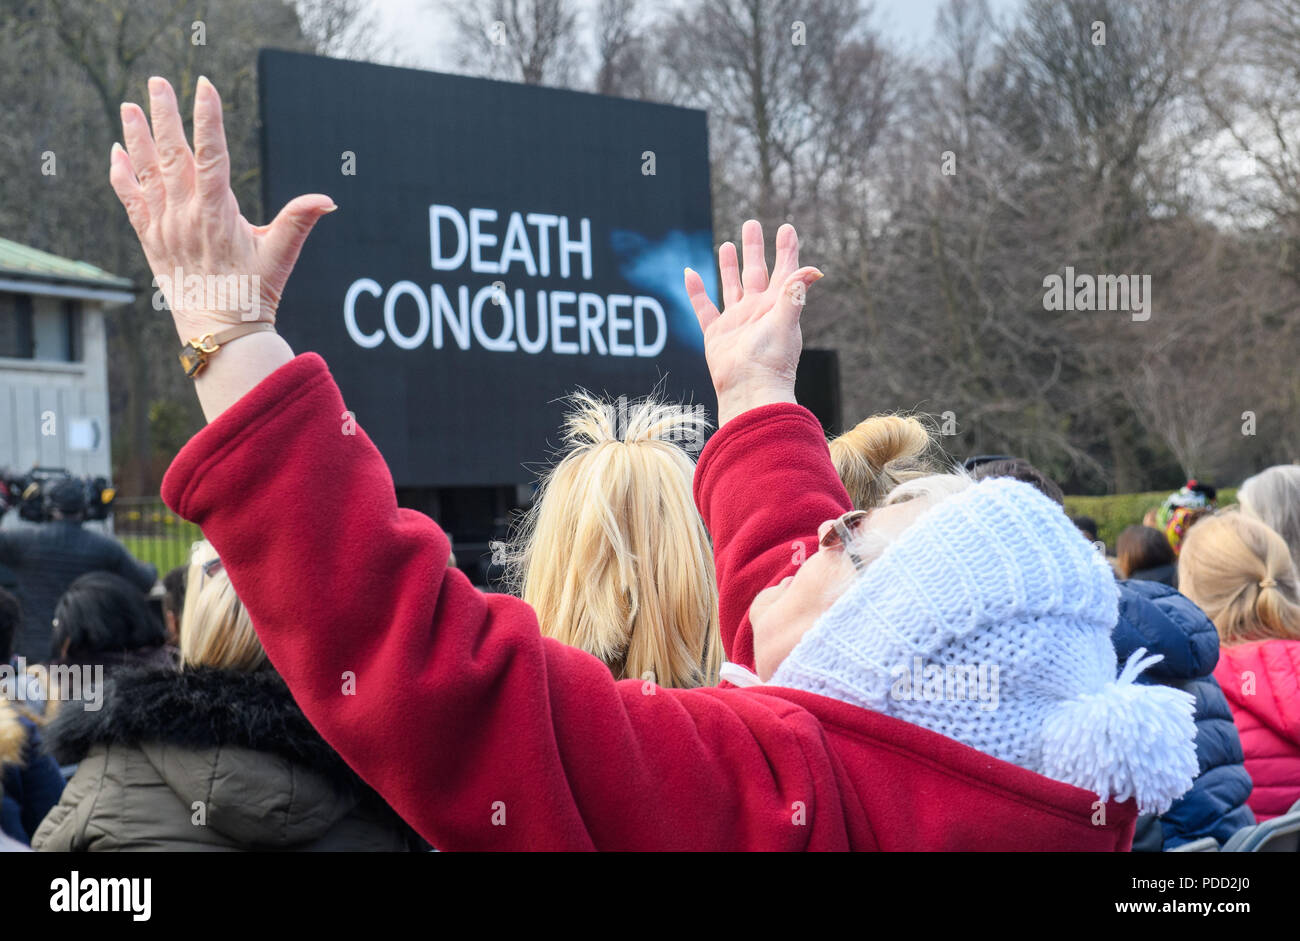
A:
216, 630
613, 556
1240, 574
880, 453
1273, 497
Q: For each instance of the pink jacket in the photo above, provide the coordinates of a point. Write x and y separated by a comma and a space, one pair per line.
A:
1262, 682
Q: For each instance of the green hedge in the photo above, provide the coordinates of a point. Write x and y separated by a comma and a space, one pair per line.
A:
1116, 511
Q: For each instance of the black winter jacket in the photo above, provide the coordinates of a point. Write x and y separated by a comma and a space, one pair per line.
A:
43, 560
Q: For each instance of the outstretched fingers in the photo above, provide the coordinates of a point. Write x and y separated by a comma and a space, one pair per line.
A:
794, 294
129, 192
281, 240
144, 158
787, 253
729, 270
705, 311
174, 156
211, 155
755, 276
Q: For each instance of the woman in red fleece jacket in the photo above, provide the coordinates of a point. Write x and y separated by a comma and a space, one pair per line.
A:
1240, 574
475, 728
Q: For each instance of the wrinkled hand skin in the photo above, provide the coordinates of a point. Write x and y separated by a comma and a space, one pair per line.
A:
186, 216
752, 347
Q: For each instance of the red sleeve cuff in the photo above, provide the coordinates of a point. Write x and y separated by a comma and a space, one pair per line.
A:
261, 404
739, 431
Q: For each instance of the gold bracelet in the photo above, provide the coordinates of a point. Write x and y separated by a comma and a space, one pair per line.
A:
194, 355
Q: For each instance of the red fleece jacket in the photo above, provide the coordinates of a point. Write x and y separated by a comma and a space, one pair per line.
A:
485, 735
1262, 683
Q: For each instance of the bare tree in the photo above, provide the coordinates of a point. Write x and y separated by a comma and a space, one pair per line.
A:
68, 64
341, 28
624, 59
799, 89
531, 41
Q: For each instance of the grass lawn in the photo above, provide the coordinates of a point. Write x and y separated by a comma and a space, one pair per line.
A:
165, 551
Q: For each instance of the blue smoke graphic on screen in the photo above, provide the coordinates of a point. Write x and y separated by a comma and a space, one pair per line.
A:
655, 268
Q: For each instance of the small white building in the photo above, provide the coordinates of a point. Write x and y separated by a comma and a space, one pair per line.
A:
54, 361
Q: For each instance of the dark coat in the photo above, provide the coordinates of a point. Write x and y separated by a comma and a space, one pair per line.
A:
30, 782
1155, 616
112, 662
1165, 574
207, 759
45, 559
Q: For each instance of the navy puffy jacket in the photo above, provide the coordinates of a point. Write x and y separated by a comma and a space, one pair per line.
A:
29, 787
1157, 617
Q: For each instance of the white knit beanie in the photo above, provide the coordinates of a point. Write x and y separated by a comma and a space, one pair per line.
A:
988, 620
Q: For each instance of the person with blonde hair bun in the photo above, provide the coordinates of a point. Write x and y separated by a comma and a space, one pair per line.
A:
878, 454
215, 756
1240, 573
613, 555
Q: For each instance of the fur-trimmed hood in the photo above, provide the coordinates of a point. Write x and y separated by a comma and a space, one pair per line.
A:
232, 743
198, 709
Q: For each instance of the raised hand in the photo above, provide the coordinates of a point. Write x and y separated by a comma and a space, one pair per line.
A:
183, 210
752, 348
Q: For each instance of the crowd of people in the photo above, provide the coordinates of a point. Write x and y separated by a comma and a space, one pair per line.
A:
788, 644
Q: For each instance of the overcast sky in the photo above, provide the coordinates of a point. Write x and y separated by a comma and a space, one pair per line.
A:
412, 29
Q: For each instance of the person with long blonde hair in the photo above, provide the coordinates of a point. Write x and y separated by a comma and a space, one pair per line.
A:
215, 756
613, 554
878, 454
1240, 573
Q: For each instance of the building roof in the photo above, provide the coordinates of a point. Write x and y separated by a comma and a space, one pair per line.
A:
22, 261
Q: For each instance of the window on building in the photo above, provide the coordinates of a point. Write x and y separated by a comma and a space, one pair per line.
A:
16, 338
72, 324
41, 328
54, 329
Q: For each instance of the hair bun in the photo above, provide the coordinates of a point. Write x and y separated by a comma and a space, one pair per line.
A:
878, 454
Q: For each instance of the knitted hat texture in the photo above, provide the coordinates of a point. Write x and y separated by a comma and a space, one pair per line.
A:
988, 620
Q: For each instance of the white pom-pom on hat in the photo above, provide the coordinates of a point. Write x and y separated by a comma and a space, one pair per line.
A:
1127, 740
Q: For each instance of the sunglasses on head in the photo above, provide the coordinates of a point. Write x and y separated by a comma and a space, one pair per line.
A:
208, 569
841, 535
